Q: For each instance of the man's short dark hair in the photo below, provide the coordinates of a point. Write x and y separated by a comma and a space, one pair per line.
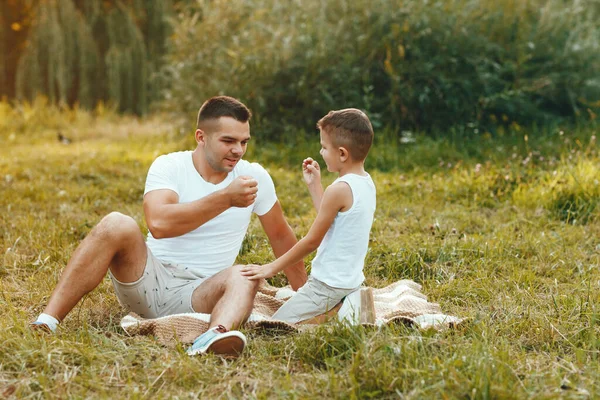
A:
223, 106
349, 128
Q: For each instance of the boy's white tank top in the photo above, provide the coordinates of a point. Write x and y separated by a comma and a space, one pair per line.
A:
340, 257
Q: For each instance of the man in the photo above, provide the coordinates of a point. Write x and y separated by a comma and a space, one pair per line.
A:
197, 206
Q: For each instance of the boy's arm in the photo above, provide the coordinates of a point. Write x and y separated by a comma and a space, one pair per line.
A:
311, 171
316, 194
335, 198
282, 238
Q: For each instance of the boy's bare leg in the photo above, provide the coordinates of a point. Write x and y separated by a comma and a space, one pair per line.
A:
115, 243
227, 296
322, 318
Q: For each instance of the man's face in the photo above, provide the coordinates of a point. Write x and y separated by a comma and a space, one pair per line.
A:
225, 142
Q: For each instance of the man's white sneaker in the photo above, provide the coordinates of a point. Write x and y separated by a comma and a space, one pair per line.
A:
220, 341
40, 327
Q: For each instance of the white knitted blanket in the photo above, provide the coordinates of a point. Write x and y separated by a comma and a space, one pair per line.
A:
399, 303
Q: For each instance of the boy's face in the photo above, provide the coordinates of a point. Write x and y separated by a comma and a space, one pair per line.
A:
330, 153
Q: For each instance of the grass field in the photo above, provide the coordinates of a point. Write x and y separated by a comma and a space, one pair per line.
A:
504, 231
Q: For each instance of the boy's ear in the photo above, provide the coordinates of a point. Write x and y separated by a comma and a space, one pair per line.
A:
344, 154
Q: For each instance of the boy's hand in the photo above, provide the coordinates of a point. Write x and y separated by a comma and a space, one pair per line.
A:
311, 171
255, 272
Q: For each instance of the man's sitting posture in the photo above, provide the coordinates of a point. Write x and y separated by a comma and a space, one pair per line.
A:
197, 206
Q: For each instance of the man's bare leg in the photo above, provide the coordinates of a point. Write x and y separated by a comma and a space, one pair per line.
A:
227, 296
115, 243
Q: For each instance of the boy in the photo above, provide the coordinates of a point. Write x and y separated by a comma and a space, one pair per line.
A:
341, 228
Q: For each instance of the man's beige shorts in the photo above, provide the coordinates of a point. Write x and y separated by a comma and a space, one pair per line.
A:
163, 289
312, 299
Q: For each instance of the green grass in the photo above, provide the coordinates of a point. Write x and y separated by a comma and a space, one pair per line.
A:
513, 244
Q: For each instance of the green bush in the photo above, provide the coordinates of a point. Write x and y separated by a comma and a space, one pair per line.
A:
570, 194
409, 64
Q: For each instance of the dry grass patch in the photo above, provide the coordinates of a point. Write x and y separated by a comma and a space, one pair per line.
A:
529, 281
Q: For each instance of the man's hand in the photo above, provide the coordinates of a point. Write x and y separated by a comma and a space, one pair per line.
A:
255, 272
242, 191
311, 172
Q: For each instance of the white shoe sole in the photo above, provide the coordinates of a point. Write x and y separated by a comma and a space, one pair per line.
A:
227, 345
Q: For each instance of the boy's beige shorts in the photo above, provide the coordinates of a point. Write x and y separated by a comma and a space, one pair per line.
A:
312, 299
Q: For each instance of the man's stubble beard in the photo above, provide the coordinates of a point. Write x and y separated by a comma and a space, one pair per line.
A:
216, 165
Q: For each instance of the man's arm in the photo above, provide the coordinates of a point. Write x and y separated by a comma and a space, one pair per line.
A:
282, 238
166, 217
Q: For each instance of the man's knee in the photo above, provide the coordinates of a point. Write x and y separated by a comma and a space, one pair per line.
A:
117, 227
237, 278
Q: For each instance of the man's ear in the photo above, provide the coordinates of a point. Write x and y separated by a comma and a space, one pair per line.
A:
344, 154
200, 136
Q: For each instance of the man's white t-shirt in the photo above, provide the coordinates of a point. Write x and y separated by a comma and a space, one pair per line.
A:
214, 245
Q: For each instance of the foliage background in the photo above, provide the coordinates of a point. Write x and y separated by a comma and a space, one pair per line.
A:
84, 52
409, 64
424, 65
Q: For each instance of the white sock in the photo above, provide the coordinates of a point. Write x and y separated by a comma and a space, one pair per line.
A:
49, 320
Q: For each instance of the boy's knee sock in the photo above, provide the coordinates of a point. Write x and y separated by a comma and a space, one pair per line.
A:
48, 320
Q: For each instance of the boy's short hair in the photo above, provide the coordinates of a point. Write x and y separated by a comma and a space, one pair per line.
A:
223, 106
349, 128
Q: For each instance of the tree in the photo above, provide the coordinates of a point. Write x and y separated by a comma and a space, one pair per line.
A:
15, 19
87, 51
